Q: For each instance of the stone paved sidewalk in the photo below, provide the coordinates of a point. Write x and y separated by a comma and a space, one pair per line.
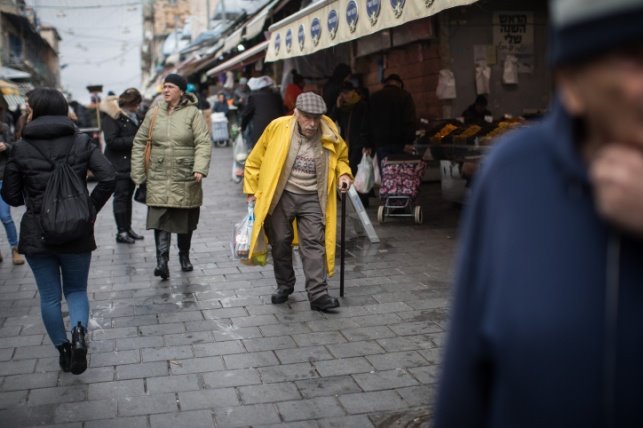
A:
207, 348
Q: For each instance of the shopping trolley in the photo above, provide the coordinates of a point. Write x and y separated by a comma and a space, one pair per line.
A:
401, 179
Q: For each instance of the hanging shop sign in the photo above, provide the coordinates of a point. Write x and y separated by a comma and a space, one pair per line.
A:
331, 22
513, 34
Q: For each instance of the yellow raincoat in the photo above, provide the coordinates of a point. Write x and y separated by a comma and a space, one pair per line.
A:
264, 166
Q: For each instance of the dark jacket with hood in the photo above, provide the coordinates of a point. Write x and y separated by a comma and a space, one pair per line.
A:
392, 117
119, 130
354, 125
27, 174
547, 316
264, 106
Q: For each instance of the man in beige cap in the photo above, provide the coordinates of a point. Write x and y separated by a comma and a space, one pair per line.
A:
293, 173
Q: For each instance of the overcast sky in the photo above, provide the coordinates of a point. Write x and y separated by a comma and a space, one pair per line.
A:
101, 42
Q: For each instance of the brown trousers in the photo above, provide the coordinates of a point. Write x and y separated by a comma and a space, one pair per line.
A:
310, 225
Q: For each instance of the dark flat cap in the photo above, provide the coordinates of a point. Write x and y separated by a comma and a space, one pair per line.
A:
311, 103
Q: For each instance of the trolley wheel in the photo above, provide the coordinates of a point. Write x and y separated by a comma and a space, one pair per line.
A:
380, 214
419, 218
221, 143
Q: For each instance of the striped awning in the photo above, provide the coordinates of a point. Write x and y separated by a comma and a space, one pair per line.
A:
331, 22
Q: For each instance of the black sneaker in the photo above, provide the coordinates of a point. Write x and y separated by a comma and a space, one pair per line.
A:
324, 303
78, 350
281, 296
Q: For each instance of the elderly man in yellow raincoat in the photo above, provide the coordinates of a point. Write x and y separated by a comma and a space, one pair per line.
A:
293, 173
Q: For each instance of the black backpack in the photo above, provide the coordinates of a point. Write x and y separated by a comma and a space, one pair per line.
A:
67, 212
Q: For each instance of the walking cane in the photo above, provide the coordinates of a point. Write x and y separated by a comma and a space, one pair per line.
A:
342, 243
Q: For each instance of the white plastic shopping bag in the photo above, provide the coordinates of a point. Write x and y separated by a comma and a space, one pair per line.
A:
364, 179
242, 233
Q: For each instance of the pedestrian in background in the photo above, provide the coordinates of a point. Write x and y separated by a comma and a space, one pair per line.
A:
292, 91
293, 174
264, 105
334, 85
351, 112
547, 321
6, 143
179, 160
120, 123
58, 269
392, 119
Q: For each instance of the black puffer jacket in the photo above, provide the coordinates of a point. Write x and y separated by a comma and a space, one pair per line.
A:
264, 106
27, 173
119, 131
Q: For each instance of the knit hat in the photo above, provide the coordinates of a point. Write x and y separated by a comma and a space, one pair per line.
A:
311, 103
177, 80
130, 97
582, 29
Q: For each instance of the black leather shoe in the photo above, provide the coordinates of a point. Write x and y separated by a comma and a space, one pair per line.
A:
124, 238
135, 235
65, 356
281, 296
78, 350
186, 266
324, 303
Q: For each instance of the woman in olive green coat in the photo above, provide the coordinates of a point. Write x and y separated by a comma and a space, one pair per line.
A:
180, 159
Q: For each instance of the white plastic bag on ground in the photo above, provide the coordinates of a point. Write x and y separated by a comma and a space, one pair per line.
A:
365, 178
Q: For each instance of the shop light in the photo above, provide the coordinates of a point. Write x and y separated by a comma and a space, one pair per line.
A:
241, 48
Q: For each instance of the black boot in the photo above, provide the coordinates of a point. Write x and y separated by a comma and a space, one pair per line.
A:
162, 239
184, 243
65, 356
78, 350
122, 236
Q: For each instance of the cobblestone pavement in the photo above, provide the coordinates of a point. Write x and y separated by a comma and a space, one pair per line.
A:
207, 348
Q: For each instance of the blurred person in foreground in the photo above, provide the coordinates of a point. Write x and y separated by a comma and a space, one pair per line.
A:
58, 269
547, 321
120, 124
179, 161
293, 173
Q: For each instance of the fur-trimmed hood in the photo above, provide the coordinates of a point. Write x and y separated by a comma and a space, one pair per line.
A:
110, 107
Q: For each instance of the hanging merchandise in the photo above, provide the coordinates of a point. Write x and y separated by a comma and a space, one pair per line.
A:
510, 71
483, 76
446, 85
229, 80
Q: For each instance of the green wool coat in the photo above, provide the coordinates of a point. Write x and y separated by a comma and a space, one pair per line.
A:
181, 146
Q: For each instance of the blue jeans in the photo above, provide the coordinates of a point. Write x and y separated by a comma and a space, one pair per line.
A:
47, 270
7, 221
